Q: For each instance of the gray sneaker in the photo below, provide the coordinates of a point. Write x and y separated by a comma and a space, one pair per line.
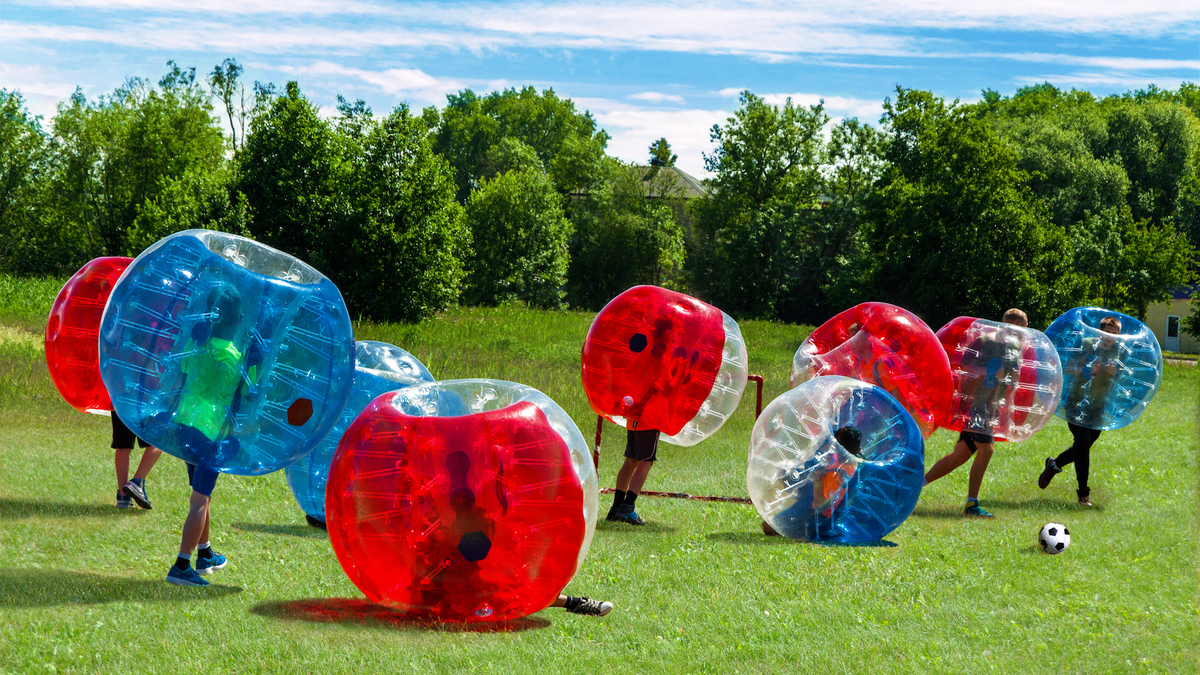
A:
588, 607
136, 489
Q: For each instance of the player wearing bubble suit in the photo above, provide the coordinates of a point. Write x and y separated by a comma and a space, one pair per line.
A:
836, 479
1001, 357
216, 371
1095, 368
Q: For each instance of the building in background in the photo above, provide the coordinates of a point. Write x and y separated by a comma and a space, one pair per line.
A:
1164, 319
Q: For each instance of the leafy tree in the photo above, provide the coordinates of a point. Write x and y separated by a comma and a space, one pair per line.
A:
1129, 264
293, 171
225, 85
116, 155
625, 235
661, 155
567, 142
1157, 144
744, 251
521, 237
954, 229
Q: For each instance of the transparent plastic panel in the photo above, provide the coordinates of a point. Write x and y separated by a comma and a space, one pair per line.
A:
220, 365
378, 368
1108, 379
726, 391
1007, 378
807, 485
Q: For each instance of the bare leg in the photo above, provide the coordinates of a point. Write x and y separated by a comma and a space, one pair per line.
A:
950, 462
121, 460
983, 455
625, 474
150, 455
638, 477
196, 525
560, 602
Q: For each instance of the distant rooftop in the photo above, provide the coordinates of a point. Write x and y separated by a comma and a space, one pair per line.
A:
688, 185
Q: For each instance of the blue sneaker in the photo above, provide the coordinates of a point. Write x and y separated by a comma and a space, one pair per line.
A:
122, 500
975, 510
136, 490
187, 577
210, 564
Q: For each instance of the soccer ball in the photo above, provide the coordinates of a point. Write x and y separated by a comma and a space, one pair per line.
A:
1054, 538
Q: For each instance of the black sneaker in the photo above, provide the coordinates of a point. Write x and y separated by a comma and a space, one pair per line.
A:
627, 515
136, 489
1048, 473
614, 515
588, 607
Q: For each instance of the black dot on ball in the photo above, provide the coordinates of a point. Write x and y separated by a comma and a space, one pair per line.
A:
1066, 531
637, 343
1059, 546
1045, 543
1053, 532
474, 546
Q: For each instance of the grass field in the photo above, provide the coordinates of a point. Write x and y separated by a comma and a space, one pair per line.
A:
699, 589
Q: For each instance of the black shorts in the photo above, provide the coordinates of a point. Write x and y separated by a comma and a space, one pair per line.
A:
202, 479
122, 438
641, 444
971, 438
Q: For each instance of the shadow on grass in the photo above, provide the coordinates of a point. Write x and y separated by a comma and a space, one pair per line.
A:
50, 587
651, 527
302, 531
362, 612
759, 539
17, 509
1050, 507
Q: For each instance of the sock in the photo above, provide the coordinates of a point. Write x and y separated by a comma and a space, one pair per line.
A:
204, 550
618, 498
630, 498
572, 602
184, 561
972, 500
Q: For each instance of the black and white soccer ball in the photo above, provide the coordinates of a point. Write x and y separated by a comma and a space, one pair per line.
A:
1054, 538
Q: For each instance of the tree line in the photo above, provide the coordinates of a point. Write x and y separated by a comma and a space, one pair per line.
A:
1046, 199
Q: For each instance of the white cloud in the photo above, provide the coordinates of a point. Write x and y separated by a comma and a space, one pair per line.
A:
655, 97
42, 88
633, 128
837, 107
401, 83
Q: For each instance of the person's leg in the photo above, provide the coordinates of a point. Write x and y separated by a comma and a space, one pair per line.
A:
583, 605
1083, 456
150, 456
957, 457
640, 471
121, 461
195, 527
983, 455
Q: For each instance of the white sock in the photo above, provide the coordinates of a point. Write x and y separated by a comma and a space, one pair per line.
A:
185, 556
203, 546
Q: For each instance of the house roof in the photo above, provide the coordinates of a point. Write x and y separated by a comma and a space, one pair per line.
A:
1183, 292
688, 185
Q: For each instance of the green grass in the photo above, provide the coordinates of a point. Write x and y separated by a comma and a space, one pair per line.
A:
697, 590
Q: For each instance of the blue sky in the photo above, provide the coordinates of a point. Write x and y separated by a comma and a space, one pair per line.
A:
645, 70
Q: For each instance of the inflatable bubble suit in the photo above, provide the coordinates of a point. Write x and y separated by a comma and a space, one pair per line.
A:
72, 330
657, 359
806, 485
462, 500
378, 368
887, 346
1108, 380
225, 352
1006, 378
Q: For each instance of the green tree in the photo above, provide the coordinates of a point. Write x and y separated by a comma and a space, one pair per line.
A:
625, 235
566, 141
750, 230
521, 240
661, 155
116, 155
1129, 264
954, 228
224, 81
293, 172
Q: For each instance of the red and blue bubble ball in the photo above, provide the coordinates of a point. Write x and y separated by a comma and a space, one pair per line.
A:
225, 352
462, 501
72, 330
1007, 378
886, 346
658, 359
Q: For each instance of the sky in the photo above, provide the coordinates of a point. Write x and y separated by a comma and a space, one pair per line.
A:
644, 69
